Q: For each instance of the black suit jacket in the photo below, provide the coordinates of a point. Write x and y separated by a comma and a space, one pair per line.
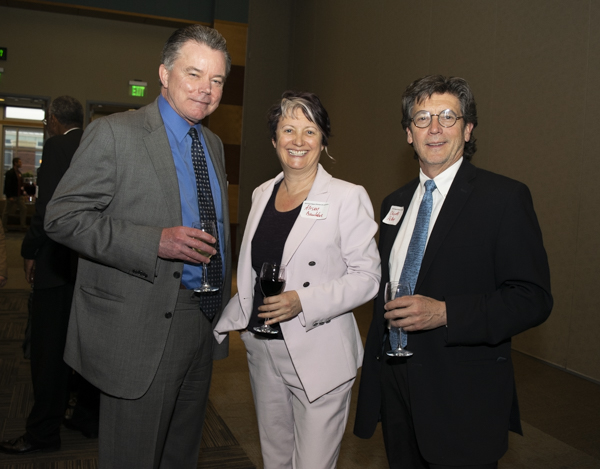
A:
11, 183
55, 264
485, 258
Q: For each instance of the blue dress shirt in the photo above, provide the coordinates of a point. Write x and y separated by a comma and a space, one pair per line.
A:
181, 147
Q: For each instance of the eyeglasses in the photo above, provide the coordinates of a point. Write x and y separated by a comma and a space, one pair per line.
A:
446, 118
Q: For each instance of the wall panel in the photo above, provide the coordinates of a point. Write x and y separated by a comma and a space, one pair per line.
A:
534, 67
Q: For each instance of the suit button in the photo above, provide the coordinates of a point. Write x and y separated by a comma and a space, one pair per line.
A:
306, 284
311, 263
176, 274
168, 315
315, 324
328, 321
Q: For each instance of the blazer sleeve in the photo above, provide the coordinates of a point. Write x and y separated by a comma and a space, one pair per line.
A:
78, 216
358, 250
522, 299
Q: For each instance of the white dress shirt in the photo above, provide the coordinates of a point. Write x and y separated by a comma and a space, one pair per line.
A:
443, 181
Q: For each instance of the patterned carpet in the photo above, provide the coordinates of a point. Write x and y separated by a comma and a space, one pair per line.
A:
220, 449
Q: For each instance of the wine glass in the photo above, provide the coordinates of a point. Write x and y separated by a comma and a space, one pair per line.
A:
395, 290
210, 228
272, 282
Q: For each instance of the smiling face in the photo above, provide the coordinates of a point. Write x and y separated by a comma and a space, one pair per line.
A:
298, 143
194, 86
438, 147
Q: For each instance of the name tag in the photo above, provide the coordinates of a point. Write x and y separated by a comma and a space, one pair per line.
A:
394, 215
317, 210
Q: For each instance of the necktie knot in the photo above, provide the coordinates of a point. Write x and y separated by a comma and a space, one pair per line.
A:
429, 185
193, 133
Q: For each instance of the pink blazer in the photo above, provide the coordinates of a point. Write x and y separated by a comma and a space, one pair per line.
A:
334, 265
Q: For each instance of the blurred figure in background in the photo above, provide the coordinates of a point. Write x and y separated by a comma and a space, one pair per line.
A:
51, 268
13, 190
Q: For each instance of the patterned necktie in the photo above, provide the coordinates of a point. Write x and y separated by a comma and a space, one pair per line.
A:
210, 303
414, 255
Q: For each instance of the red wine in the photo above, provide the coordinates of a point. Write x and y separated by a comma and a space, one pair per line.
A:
271, 287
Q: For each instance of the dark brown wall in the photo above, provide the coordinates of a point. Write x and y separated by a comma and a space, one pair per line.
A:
534, 67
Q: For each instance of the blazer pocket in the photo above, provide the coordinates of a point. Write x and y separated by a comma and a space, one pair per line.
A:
102, 294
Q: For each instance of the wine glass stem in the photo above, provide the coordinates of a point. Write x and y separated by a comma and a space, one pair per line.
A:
205, 275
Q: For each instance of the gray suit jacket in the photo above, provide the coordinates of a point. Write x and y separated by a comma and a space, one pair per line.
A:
119, 193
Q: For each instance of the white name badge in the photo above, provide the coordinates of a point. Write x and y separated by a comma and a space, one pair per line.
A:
316, 210
394, 215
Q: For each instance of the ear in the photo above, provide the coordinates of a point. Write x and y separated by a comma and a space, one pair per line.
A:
274, 143
409, 136
468, 130
163, 73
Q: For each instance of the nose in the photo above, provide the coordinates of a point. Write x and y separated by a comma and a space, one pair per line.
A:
435, 127
298, 139
205, 86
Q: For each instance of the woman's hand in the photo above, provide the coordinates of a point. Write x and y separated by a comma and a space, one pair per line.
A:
280, 307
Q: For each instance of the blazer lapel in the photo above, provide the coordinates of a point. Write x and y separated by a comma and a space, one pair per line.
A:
219, 168
245, 275
159, 152
459, 193
318, 193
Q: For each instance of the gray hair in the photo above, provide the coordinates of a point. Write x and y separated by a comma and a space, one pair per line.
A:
197, 33
67, 110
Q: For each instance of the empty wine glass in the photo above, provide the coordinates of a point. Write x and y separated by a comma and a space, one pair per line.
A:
395, 290
272, 282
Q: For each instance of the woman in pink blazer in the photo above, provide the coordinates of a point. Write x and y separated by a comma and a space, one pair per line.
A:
322, 230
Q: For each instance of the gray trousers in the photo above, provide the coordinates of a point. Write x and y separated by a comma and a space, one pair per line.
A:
163, 428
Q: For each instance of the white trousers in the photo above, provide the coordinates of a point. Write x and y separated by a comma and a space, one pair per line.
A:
294, 433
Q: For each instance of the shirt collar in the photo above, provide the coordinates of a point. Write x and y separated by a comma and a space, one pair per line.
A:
444, 180
178, 126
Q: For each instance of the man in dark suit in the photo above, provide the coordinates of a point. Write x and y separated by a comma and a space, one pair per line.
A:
127, 203
51, 267
482, 279
13, 190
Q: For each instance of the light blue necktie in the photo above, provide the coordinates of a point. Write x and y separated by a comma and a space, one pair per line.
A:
414, 255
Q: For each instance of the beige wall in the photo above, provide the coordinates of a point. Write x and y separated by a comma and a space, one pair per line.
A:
91, 59
534, 67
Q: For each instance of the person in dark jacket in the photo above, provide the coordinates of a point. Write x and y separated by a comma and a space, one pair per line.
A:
469, 244
13, 190
51, 269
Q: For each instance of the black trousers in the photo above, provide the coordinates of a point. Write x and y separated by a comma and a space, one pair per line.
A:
50, 375
399, 437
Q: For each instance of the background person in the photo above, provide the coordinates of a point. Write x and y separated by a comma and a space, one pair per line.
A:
137, 330
51, 269
13, 190
321, 229
483, 278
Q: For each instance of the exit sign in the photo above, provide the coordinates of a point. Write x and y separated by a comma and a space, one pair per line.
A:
3, 53
138, 91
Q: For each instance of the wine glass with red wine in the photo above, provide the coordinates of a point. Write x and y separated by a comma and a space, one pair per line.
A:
272, 282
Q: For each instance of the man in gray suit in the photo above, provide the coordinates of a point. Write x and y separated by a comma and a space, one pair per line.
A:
137, 329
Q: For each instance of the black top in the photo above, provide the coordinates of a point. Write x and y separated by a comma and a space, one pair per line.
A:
267, 246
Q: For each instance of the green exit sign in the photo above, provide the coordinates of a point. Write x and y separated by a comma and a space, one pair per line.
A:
138, 91
3, 53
